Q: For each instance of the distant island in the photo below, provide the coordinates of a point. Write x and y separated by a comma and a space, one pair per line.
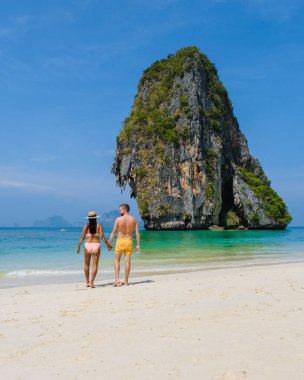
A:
184, 157
52, 221
107, 219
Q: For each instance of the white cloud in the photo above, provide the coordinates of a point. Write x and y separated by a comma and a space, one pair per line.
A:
72, 184
25, 186
44, 158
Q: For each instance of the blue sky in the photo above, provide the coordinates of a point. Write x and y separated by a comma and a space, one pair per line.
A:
69, 72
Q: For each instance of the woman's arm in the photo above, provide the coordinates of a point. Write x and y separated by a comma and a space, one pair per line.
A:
104, 238
84, 230
113, 231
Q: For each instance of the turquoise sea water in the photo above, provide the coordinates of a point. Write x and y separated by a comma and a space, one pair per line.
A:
31, 255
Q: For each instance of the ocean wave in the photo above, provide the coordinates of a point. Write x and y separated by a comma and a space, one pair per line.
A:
37, 272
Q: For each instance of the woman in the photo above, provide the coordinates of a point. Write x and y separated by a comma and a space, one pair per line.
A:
91, 232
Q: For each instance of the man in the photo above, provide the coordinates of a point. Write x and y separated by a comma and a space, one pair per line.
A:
125, 224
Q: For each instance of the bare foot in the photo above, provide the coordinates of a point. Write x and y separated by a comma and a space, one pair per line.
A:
117, 283
92, 285
88, 285
126, 283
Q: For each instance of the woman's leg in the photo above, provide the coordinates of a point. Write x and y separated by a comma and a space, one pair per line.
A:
87, 259
95, 267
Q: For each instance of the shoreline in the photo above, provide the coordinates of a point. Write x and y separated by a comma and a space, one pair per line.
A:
66, 278
226, 324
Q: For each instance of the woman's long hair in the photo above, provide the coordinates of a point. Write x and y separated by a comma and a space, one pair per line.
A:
92, 225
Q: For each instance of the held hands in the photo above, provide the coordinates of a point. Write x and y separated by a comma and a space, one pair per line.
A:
109, 247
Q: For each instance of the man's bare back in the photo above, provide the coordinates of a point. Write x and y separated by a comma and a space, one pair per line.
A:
126, 225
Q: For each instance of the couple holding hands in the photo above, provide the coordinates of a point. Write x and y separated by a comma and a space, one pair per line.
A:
125, 225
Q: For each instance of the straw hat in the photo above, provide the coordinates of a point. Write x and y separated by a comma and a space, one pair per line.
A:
92, 215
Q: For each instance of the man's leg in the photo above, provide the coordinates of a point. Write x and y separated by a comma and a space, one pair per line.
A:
87, 259
127, 268
117, 268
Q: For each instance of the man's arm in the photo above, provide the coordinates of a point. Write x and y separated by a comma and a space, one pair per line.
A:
104, 239
137, 237
84, 230
113, 231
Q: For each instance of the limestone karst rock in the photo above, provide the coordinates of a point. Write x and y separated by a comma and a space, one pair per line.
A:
184, 157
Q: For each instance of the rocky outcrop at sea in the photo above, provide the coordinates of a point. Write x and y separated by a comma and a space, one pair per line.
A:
184, 157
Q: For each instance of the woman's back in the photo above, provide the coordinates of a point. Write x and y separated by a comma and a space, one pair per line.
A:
91, 235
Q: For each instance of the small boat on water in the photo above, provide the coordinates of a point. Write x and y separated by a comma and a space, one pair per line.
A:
62, 230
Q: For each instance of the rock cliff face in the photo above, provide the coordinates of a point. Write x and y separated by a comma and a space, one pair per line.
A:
184, 157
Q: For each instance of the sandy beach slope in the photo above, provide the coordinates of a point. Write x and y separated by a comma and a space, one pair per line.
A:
223, 324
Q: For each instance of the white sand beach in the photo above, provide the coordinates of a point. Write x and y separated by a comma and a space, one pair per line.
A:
222, 324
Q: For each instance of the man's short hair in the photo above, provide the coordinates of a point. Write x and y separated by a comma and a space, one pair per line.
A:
126, 206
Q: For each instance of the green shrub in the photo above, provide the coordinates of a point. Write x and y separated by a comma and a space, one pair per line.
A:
143, 154
183, 101
140, 173
213, 114
160, 150
209, 163
254, 219
164, 209
231, 219
143, 207
272, 204
210, 191
186, 217
215, 125
184, 133
126, 151
213, 117
167, 160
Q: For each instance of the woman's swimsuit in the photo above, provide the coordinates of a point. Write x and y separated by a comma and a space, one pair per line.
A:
92, 248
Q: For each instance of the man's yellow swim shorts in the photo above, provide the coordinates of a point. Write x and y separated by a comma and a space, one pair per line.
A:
124, 246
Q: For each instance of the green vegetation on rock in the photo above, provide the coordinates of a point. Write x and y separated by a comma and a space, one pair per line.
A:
143, 206
209, 163
210, 191
140, 172
254, 218
231, 219
150, 116
164, 209
126, 151
272, 204
186, 217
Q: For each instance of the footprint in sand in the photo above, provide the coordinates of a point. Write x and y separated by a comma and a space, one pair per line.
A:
75, 312
231, 375
10, 320
26, 292
66, 313
262, 290
19, 353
